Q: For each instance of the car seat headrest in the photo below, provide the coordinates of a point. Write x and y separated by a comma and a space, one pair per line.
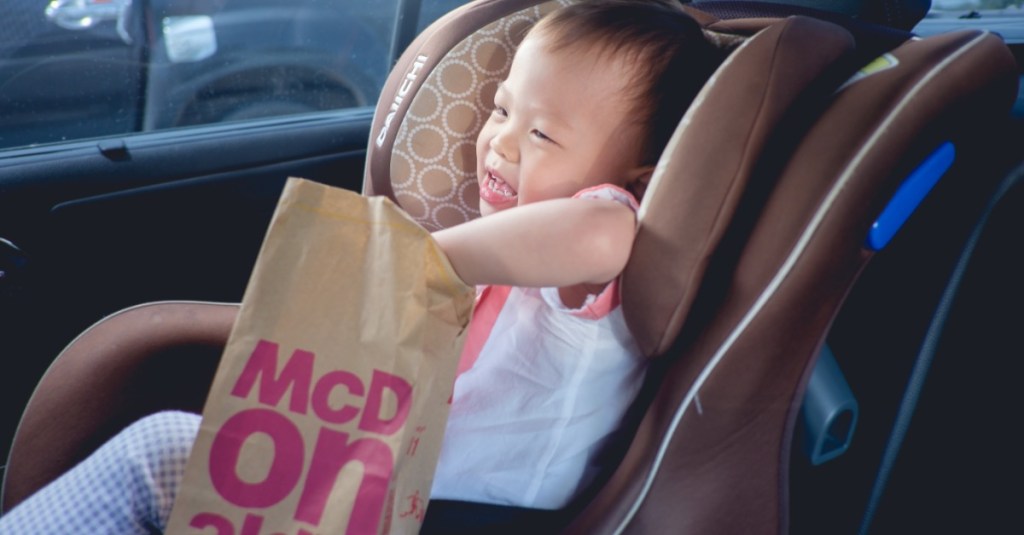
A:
422, 151
709, 165
440, 92
873, 38
898, 14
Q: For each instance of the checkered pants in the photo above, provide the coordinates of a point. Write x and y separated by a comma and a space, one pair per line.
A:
125, 487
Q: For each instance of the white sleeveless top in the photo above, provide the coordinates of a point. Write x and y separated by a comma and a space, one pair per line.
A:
545, 388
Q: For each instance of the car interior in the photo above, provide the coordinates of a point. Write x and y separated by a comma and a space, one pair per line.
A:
821, 274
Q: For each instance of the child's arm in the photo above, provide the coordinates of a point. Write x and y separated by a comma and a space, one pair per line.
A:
554, 243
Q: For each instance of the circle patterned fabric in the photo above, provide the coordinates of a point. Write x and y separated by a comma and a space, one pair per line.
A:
433, 161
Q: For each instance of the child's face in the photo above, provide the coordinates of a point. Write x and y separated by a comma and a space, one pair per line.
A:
561, 123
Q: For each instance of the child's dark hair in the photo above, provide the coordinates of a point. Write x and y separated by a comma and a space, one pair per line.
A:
666, 47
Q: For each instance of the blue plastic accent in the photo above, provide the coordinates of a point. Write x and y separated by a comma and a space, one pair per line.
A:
909, 195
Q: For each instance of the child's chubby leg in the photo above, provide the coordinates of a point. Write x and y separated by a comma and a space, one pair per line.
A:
125, 487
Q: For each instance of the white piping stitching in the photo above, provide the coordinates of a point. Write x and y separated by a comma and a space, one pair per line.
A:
781, 275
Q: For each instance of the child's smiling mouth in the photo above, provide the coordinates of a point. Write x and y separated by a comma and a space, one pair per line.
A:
495, 190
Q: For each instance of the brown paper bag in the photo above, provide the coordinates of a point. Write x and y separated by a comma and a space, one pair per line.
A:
328, 408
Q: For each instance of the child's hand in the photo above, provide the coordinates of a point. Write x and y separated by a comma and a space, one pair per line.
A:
554, 243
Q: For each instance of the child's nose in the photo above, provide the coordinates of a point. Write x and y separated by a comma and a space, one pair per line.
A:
503, 143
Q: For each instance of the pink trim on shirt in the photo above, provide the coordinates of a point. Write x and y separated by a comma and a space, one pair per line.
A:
615, 193
485, 315
606, 301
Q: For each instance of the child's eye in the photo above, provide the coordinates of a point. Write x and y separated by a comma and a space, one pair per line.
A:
541, 136
500, 112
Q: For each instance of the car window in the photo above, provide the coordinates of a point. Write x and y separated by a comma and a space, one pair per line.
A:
1005, 17
78, 69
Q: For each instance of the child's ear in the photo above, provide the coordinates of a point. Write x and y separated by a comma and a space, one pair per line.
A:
638, 180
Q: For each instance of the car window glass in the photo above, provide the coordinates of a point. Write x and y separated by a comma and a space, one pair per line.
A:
1005, 17
77, 69
431, 10
965, 6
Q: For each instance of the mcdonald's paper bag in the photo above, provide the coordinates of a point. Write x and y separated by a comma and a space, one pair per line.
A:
327, 410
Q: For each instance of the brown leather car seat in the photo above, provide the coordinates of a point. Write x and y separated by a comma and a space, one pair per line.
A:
750, 236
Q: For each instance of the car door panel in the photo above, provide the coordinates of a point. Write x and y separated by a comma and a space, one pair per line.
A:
144, 144
171, 215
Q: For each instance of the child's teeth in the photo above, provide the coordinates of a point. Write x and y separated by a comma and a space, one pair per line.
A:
500, 186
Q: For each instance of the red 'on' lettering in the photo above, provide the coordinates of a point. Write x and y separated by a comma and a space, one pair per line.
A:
333, 451
285, 468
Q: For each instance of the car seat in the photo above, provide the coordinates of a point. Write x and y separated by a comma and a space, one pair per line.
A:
786, 176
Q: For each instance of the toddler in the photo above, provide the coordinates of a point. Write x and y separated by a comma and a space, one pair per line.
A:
549, 368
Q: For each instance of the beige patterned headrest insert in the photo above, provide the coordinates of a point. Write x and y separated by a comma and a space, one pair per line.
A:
433, 162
